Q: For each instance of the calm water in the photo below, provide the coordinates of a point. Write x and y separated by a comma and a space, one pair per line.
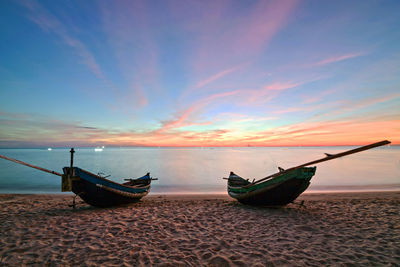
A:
200, 170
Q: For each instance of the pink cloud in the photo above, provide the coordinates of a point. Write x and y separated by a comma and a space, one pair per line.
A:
265, 20
335, 59
244, 37
209, 80
184, 118
343, 107
134, 96
142, 100
266, 93
179, 122
289, 110
237, 97
373, 101
240, 97
270, 91
216, 76
278, 86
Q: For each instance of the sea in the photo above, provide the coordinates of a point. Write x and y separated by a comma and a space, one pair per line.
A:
200, 170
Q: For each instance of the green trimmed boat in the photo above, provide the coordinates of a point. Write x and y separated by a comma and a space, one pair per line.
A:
285, 186
275, 191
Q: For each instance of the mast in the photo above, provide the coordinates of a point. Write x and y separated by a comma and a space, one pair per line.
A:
71, 170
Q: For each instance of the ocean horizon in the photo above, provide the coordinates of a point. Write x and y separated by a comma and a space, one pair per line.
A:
199, 170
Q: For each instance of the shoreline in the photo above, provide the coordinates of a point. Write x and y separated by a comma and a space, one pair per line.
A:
317, 195
312, 191
201, 230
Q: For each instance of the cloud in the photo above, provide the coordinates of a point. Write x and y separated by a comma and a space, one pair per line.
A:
142, 76
317, 97
87, 127
135, 97
35, 130
11, 115
49, 23
371, 101
267, 92
335, 59
216, 76
289, 110
266, 19
346, 132
185, 118
132, 39
349, 107
229, 39
240, 118
239, 97
40, 129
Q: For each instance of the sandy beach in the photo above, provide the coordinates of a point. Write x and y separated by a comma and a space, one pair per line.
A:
349, 229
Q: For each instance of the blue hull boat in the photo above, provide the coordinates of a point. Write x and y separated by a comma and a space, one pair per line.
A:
101, 192
95, 189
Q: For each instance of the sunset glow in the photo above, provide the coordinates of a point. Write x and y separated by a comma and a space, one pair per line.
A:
199, 73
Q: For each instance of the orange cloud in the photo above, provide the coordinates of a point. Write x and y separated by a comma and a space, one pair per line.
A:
27, 130
334, 133
351, 132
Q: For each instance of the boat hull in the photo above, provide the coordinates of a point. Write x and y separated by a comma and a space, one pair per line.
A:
278, 191
100, 192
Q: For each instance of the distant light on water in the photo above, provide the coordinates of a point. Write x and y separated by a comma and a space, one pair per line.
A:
99, 149
49, 149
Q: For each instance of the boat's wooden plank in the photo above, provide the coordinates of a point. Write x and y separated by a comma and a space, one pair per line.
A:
328, 157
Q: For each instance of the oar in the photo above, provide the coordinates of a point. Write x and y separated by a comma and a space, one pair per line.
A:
328, 157
30, 165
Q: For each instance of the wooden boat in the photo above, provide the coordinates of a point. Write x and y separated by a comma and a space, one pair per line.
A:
96, 190
101, 192
277, 191
283, 187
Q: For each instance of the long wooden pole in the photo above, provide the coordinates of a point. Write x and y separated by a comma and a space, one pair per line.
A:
30, 165
328, 157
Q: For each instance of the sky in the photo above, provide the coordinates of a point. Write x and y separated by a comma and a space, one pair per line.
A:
199, 73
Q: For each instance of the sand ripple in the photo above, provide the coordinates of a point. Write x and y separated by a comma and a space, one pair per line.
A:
336, 229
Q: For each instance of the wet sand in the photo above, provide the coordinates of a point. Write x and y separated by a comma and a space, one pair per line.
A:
349, 229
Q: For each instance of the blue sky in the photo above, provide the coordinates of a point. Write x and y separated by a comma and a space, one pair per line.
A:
199, 73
